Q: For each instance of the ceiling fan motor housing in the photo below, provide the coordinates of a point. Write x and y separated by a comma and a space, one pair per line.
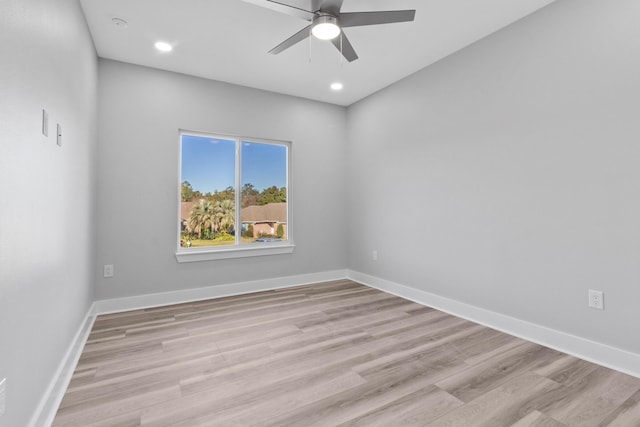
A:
325, 26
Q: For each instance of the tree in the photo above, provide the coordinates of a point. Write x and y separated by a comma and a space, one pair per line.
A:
228, 193
248, 189
202, 218
280, 231
249, 232
272, 194
249, 195
226, 215
187, 193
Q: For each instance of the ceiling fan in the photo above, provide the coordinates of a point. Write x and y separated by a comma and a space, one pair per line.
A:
327, 21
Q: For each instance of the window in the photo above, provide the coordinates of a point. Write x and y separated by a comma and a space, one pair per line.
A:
233, 197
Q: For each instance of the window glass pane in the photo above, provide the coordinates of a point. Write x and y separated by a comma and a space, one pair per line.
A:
207, 208
264, 192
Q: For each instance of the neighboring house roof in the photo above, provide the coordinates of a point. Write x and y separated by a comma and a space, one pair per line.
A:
186, 208
271, 212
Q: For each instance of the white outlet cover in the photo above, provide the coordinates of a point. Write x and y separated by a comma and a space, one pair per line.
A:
596, 299
108, 270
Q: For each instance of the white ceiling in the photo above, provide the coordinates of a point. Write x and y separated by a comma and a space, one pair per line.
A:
228, 40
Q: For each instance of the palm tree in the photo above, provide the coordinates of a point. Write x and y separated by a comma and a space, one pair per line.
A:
227, 214
202, 218
217, 215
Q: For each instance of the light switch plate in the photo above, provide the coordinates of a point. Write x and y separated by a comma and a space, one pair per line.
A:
3, 392
45, 123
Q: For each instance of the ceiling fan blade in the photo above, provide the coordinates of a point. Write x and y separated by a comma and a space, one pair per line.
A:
342, 44
330, 6
287, 8
297, 37
356, 19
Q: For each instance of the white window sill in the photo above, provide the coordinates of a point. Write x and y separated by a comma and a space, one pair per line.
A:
208, 254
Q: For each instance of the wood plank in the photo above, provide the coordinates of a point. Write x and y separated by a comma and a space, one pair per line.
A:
485, 376
381, 389
588, 401
502, 406
627, 414
93, 413
538, 419
413, 409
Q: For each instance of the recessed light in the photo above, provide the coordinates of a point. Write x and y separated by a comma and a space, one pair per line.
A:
163, 47
336, 86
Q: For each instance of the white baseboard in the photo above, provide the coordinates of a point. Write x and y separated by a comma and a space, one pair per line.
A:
601, 354
196, 294
46, 411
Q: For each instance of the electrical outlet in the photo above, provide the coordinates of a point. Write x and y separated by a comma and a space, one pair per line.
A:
108, 270
374, 255
596, 299
3, 392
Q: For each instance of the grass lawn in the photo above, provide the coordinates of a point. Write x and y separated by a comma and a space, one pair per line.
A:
198, 243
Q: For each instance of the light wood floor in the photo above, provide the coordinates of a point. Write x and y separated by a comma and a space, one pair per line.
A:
335, 353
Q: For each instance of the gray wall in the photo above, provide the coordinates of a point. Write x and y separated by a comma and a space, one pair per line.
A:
140, 112
47, 60
507, 175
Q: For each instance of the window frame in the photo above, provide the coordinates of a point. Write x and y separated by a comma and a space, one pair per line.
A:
238, 249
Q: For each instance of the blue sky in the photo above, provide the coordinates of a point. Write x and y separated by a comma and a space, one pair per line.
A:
209, 165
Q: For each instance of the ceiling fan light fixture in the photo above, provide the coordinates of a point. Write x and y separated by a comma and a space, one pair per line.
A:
325, 27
